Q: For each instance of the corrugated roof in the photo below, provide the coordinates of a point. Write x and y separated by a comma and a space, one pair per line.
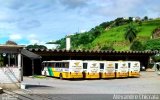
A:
30, 55
93, 51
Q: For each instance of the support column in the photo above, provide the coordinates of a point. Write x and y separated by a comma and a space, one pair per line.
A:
22, 68
32, 67
19, 67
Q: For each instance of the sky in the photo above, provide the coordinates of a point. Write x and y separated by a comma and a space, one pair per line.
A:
40, 21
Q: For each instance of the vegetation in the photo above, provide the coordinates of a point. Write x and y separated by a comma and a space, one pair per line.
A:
10, 42
35, 46
130, 32
152, 44
137, 46
114, 35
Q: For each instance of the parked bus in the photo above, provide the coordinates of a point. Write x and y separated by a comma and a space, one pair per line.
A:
63, 69
121, 68
134, 68
91, 69
107, 69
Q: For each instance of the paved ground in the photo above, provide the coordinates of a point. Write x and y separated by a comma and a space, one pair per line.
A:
148, 83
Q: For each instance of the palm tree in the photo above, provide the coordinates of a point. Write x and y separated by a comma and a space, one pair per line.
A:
130, 33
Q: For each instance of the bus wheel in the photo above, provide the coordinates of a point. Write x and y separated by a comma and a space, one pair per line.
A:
61, 76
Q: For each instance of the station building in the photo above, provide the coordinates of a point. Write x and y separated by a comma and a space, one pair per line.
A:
53, 54
11, 69
16, 61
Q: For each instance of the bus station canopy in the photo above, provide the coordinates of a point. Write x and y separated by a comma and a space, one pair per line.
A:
30, 55
11, 48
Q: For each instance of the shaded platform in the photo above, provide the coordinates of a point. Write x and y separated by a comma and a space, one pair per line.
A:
48, 54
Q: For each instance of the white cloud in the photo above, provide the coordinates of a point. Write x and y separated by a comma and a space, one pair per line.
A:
35, 41
15, 37
82, 31
53, 19
116, 7
31, 36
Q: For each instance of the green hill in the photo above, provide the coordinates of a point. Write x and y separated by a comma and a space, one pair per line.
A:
115, 36
110, 35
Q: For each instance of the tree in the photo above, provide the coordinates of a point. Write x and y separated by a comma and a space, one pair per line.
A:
35, 46
119, 21
145, 18
140, 23
156, 58
10, 42
130, 19
105, 24
130, 32
62, 43
137, 46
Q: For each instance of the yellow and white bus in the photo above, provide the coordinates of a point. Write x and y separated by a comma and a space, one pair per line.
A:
121, 68
91, 69
107, 69
66, 69
134, 68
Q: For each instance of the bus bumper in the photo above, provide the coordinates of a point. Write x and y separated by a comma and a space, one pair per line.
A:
71, 75
91, 75
108, 75
134, 74
118, 74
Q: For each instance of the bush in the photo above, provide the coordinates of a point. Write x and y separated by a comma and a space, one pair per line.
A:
137, 46
153, 44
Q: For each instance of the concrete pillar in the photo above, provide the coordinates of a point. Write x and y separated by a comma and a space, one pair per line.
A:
22, 68
19, 66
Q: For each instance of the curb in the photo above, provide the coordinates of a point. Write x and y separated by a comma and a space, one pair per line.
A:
1, 90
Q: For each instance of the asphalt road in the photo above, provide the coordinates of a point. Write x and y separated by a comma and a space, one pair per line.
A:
55, 89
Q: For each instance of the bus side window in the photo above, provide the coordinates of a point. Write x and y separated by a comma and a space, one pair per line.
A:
84, 65
53, 64
62, 65
129, 65
66, 65
47, 64
50, 64
57, 65
116, 65
101, 65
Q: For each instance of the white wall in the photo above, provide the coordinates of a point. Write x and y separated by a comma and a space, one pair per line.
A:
9, 75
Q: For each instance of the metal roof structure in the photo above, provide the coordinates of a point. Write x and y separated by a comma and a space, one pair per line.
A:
10, 48
30, 55
91, 54
54, 54
95, 51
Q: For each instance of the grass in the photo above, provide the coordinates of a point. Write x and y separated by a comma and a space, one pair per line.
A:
39, 76
115, 36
